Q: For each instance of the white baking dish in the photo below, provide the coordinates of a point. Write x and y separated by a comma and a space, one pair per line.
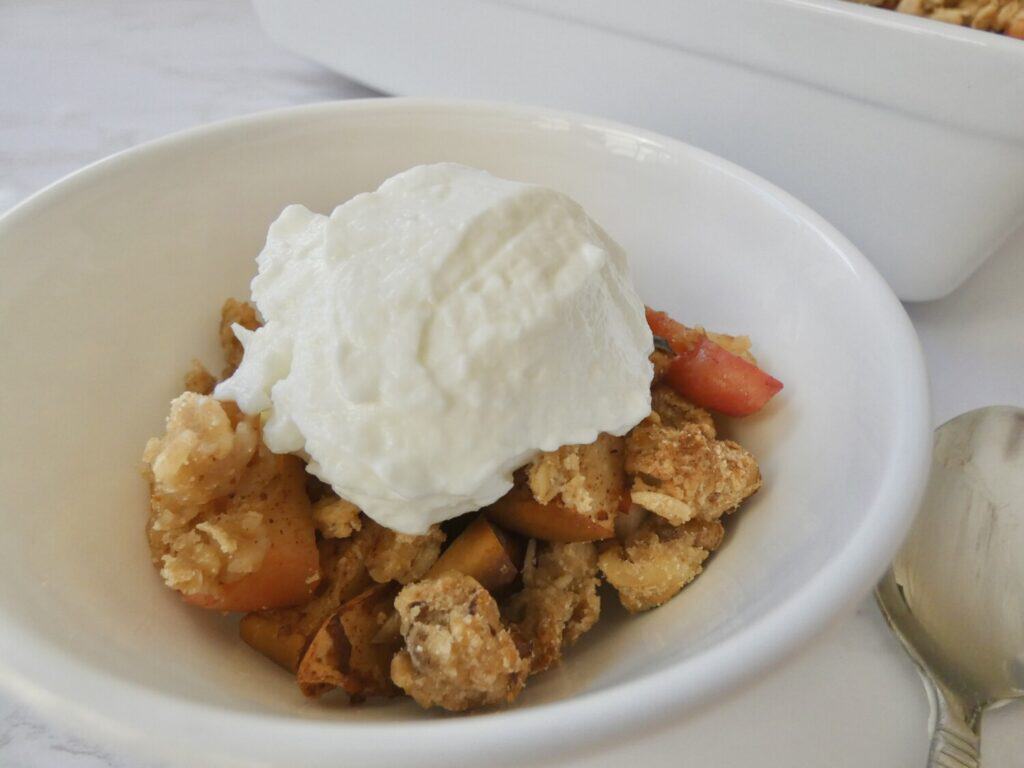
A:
906, 133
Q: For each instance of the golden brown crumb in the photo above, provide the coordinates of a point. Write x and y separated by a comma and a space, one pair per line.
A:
457, 654
202, 454
199, 380
589, 478
658, 560
401, 557
675, 411
243, 313
558, 602
681, 474
661, 360
336, 518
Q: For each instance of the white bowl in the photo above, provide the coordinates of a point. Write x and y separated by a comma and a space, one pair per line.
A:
908, 133
112, 280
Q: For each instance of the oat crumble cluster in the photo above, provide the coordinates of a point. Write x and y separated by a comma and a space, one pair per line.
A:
460, 617
1003, 16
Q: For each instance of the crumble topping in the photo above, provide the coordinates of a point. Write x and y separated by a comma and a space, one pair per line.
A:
202, 548
336, 518
202, 454
199, 380
401, 557
675, 411
282, 634
658, 560
680, 473
588, 478
457, 654
558, 602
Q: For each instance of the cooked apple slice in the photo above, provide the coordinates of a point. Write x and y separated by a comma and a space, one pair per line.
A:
277, 635
478, 552
519, 511
274, 490
348, 652
283, 634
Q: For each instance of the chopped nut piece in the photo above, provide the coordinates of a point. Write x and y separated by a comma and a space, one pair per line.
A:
401, 557
243, 313
199, 380
457, 653
480, 552
675, 411
336, 518
202, 455
559, 600
680, 474
658, 560
588, 479
345, 651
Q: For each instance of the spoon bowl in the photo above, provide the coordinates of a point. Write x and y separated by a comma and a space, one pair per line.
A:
955, 592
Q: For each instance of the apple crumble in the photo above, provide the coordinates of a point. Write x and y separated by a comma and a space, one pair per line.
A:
457, 618
1003, 16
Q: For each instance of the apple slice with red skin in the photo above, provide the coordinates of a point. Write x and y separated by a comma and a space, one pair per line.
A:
710, 376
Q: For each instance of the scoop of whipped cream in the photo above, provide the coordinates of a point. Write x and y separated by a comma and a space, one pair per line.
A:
425, 340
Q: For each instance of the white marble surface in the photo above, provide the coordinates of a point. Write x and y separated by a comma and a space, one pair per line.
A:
79, 80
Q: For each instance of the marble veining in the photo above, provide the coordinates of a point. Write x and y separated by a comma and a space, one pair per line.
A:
80, 80
28, 742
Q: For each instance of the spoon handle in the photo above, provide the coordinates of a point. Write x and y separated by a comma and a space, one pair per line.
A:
956, 738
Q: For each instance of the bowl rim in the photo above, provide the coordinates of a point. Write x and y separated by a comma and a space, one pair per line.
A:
68, 690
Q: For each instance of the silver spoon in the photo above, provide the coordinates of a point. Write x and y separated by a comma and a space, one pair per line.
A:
955, 592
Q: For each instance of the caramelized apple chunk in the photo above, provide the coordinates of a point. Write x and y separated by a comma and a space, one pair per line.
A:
282, 634
653, 564
347, 651
457, 654
230, 525
480, 552
262, 544
519, 511
681, 474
